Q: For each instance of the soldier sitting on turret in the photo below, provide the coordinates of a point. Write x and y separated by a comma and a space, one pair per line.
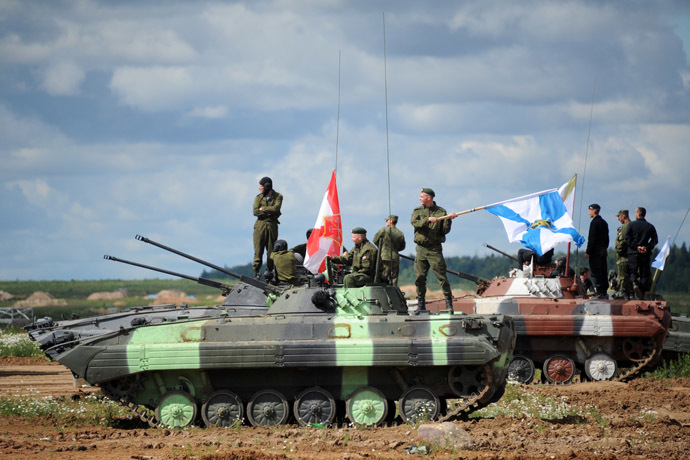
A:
362, 258
284, 264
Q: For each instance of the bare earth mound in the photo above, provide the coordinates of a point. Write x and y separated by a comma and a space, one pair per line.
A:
638, 420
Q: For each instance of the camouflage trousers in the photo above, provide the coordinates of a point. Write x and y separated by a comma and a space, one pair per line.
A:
265, 236
426, 258
624, 283
356, 280
390, 269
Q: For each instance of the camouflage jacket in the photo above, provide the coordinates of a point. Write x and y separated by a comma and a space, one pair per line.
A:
362, 258
390, 241
271, 206
429, 234
621, 246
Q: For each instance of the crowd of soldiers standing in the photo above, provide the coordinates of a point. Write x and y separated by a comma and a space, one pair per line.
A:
430, 222
635, 241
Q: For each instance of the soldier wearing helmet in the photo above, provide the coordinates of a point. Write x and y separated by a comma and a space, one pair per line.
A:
267, 210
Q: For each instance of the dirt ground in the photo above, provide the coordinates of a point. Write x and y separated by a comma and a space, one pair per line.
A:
624, 429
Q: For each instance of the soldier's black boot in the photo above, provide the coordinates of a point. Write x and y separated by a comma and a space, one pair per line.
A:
421, 304
449, 304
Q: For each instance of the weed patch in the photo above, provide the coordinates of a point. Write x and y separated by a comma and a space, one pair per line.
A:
518, 403
18, 344
93, 409
679, 367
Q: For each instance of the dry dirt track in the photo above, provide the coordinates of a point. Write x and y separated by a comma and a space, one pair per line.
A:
626, 430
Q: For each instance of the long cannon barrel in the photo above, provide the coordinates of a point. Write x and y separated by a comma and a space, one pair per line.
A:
474, 279
500, 252
225, 289
245, 279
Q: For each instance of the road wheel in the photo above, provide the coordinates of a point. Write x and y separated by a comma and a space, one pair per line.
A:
419, 404
314, 406
559, 369
268, 408
176, 409
222, 408
367, 406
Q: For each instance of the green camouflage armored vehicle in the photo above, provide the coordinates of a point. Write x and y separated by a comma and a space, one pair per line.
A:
317, 354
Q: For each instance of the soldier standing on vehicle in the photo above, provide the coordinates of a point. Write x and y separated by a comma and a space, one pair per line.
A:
390, 242
597, 248
429, 234
624, 285
641, 238
362, 258
267, 210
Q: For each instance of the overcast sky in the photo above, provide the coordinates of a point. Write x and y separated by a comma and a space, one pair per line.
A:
159, 118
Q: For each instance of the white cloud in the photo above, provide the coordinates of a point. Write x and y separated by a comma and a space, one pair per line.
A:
218, 111
62, 79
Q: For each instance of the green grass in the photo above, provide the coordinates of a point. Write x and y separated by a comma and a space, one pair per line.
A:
18, 344
93, 409
679, 367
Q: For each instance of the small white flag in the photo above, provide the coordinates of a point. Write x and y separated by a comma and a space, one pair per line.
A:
660, 259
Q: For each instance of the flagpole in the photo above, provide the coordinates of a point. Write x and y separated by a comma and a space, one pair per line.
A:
388, 162
453, 215
584, 172
337, 125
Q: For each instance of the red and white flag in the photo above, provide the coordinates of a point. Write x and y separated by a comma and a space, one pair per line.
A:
327, 236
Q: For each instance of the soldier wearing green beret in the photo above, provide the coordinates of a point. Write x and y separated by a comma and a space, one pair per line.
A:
390, 242
362, 258
624, 283
429, 234
267, 210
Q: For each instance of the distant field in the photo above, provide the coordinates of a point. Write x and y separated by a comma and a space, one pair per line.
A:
76, 292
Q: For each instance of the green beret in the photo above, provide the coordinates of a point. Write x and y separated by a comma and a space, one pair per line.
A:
359, 231
428, 191
623, 212
392, 217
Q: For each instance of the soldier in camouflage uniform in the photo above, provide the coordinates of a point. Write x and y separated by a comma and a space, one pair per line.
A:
267, 210
624, 283
390, 242
362, 258
429, 233
284, 263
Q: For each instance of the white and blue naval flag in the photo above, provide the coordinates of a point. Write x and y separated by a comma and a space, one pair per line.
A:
660, 260
539, 221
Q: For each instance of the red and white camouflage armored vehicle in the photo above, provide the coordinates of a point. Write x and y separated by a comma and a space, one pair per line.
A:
563, 333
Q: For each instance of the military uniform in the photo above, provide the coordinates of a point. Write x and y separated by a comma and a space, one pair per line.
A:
362, 258
266, 227
428, 236
622, 258
390, 242
285, 266
640, 233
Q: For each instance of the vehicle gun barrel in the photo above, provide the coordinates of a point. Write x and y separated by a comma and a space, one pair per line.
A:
467, 276
500, 252
205, 281
244, 278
